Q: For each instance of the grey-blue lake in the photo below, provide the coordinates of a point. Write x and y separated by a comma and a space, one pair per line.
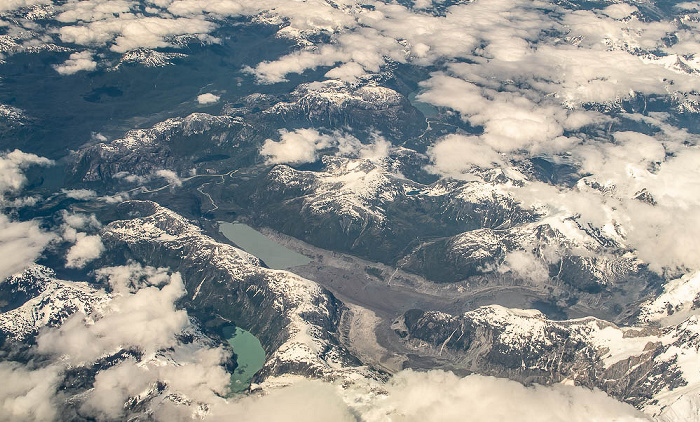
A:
252, 241
427, 109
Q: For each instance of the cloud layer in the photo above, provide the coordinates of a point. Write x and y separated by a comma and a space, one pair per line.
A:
77, 62
433, 396
21, 242
141, 314
297, 147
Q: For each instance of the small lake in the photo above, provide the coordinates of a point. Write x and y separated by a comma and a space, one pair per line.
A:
252, 241
250, 357
428, 110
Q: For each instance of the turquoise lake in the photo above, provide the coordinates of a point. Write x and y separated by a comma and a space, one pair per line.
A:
252, 241
250, 357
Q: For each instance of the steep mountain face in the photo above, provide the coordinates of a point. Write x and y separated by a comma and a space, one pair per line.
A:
368, 209
35, 299
295, 319
650, 368
598, 279
172, 144
336, 104
679, 298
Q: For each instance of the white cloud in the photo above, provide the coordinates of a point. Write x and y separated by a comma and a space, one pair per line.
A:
207, 98
433, 396
8, 5
297, 147
348, 145
392, 32
628, 158
114, 386
688, 5
77, 62
79, 221
194, 7
198, 375
668, 234
131, 178
376, 151
454, 155
80, 194
139, 314
304, 401
443, 396
511, 121
114, 199
170, 176
12, 166
665, 235
90, 11
302, 146
350, 72
619, 10
525, 265
142, 315
130, 32
28, 395
498, 36
86, 248
21, 242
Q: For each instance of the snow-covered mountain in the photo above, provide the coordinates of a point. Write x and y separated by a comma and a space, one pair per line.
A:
36, 299
654, 369
487, 187
295, 319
